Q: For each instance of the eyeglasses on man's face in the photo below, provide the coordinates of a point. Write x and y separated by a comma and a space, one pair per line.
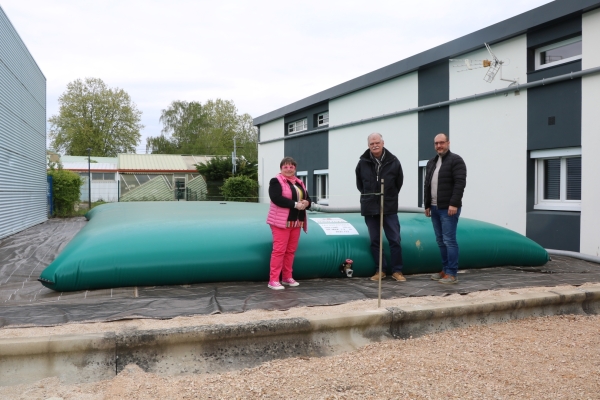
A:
440, 143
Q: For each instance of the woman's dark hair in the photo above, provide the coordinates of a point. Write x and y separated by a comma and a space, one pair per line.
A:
287, 161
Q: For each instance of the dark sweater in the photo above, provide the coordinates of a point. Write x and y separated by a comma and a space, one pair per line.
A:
368, 183
452, 180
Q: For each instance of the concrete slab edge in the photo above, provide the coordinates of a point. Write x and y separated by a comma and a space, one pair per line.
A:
218, 348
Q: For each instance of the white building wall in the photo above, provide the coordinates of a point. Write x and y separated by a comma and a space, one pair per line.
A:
491, 136
394, 95
590, 136
272, 130
105, 190
400, 135
269, 156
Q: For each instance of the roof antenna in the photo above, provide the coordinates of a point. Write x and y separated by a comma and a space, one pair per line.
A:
494, 66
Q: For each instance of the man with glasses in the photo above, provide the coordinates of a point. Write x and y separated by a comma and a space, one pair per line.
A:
445, 181
375, 164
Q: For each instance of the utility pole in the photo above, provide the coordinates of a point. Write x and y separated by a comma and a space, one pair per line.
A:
89, 180
233, 158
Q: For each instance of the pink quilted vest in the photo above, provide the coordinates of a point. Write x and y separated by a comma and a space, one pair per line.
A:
278, 215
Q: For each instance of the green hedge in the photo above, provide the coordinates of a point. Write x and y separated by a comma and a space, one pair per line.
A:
240, 188
66, 191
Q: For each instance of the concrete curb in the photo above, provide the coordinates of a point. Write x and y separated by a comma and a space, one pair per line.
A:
219, 348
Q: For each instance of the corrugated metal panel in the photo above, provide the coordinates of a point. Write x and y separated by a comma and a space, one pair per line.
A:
72, 159
151, 162
198, 186
156, 189
22, 135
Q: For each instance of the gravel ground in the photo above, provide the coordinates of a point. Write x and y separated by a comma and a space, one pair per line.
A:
539, 358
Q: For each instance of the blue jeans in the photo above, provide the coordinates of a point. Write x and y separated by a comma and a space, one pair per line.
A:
444, 227
391, 227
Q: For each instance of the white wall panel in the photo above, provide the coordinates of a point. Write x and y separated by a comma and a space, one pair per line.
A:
491, 136
590, 136
272, 130
346, 145
394, 95
105, 190
269, 157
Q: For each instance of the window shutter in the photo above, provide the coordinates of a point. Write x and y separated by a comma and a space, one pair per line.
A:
552, 179
574, 178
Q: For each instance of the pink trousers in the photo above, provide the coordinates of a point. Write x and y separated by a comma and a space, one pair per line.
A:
285, 243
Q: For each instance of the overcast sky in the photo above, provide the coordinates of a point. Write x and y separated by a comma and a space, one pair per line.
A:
261, 54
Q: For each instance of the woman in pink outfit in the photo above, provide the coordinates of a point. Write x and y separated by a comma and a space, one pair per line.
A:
289, 199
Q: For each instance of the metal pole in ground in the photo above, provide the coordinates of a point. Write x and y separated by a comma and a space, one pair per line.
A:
89, 181
380, 246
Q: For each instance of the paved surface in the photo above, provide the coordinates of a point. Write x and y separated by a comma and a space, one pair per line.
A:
24, 301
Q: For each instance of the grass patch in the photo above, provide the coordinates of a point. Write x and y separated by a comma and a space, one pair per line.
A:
83, 207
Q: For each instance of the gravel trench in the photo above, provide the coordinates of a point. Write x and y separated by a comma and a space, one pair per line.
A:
554, 357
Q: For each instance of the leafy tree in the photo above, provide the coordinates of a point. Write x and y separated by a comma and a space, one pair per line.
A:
240, 188
220, 168
92, 115
215, 169
193, 128
65, 191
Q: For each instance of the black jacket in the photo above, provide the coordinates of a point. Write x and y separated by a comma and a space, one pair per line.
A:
452, 180
368, 182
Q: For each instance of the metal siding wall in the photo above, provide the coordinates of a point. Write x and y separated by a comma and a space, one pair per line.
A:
22, 135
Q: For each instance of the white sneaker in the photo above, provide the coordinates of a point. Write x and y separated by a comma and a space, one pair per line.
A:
275, 285
290, 282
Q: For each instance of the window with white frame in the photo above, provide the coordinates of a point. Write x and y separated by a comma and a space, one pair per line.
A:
558, 179
302, 175
558, 53
323, 119
298, 126
322, 186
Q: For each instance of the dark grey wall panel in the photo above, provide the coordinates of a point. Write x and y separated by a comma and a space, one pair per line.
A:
432, 122
559, 230
434, 86
562, 69
309, 113
554, 115
554, 32
310, 152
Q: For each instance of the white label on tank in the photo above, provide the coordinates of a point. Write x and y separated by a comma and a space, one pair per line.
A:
335, 226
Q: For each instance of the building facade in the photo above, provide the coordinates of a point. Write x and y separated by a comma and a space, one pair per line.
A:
103, 171
523, 123
23, 184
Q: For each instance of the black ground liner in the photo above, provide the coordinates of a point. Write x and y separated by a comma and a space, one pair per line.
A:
24, 301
